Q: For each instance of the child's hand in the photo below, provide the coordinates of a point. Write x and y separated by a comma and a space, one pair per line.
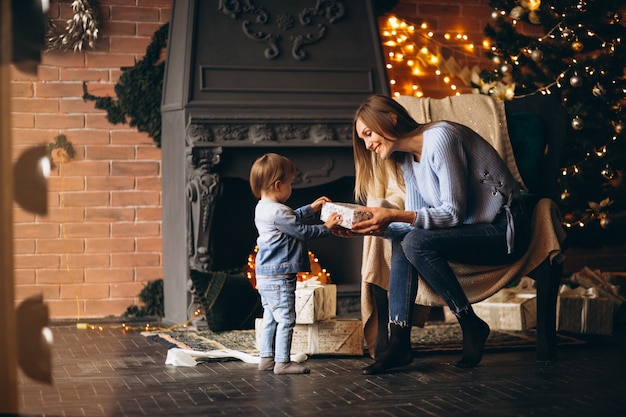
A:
317, 204
333, 221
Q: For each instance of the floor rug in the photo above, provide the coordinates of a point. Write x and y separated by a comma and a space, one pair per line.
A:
431, 338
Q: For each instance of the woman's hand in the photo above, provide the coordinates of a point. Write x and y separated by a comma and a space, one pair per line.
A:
377, 224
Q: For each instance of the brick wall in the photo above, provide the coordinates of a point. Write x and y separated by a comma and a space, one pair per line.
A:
101, 240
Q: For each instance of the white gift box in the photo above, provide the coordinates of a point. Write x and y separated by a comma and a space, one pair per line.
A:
350, 213
337, 336
315, 302
510, 308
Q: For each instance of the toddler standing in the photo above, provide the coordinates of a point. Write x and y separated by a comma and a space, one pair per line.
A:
282, 253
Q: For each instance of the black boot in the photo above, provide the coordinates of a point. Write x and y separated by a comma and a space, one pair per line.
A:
475, 333
399, 352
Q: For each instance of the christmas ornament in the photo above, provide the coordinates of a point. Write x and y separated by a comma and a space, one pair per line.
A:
598, 90
577, 46
619, 127
505, 68
536, 55
605, 222
576, 80
608, 172
578, 123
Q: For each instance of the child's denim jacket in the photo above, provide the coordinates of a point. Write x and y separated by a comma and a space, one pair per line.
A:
282, 238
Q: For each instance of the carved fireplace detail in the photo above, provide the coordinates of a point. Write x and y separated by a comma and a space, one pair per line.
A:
244, 78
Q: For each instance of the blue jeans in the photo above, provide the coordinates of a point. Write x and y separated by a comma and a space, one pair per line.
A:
427, 251
278, 297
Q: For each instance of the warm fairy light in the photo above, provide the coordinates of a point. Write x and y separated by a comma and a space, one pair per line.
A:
422, 51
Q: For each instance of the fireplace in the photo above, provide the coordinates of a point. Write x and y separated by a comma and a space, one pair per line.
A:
248, 77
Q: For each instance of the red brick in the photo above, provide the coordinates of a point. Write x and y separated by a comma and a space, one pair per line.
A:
109, 275
135, 260
88, 136
23, 277
21, 230
85, 261
78, 105
101, 308
63, 59
147, 273
24, 246
59, 276
87, 230
133, 229
110, 152
134, 14
129, 44
65, 309
131, 137
101, 90
65, 214
99, 121
135, 198
149, 183
48, 291
22, 89
23, 120
87, 168
66, 183
149, 29
149, 213
122, 290
110, 183
34, 105
149, 152
58, 89
109, 60
30, 262
59, 121
120, 28
62, 245
85, 291
32, 136
135, 168
87, 199
94, 245
149, 244
110, 214
85, 74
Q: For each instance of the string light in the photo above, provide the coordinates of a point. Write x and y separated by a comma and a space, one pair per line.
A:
415, 51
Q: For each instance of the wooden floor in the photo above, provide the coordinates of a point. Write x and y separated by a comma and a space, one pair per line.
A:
111, 373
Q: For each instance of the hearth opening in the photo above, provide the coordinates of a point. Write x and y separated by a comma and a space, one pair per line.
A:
234, 234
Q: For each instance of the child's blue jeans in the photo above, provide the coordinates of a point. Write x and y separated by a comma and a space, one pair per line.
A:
278, 297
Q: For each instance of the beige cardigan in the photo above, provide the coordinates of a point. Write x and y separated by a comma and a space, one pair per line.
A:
486, 116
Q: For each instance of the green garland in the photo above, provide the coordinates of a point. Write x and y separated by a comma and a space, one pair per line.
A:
81, 30
138, 91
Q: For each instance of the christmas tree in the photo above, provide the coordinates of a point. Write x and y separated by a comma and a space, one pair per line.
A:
573, 48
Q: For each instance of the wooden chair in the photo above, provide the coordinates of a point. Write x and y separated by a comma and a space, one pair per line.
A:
533, 115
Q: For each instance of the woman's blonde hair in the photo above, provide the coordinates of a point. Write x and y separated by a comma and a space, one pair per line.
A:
387, 118
269, 168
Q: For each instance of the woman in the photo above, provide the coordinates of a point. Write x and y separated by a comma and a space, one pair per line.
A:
461, 204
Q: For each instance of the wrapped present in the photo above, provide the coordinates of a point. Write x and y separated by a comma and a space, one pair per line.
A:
350, 213
337, 336
582, 311
315, 302
510, 308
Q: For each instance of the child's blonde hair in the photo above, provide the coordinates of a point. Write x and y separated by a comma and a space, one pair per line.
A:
269, 168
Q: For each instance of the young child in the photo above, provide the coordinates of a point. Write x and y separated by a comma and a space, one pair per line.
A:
282, 253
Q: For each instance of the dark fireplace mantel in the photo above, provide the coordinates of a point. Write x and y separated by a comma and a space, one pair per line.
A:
248, 77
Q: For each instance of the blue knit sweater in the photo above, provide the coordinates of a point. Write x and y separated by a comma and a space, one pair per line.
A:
460, 179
